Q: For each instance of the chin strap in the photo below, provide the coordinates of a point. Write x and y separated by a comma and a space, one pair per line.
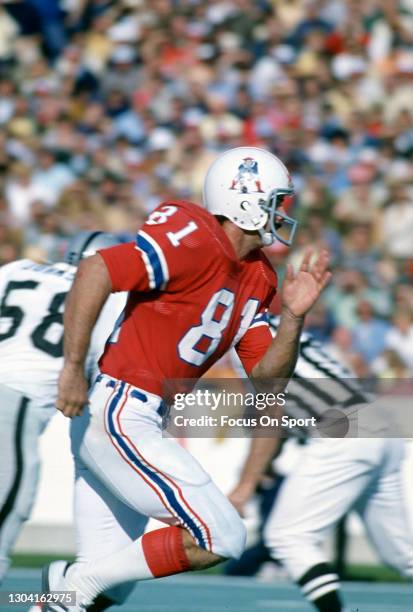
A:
267, 238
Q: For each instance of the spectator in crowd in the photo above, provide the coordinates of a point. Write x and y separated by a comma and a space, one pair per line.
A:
107, 107
369, 333
399, 338
21, 191
358, 252
396, 223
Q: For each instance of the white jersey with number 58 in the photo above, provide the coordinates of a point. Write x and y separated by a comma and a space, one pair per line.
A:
31, 327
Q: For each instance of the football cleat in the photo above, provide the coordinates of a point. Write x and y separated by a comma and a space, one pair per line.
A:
54, 579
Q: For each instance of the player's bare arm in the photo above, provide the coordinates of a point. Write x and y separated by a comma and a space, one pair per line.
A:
300, 291
84, 303
260, 453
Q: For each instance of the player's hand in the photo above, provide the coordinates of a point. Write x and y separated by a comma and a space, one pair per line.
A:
302, 289
72, 391
241, 495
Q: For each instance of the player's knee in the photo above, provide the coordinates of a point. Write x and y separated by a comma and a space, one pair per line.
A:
24, 509
27, 491
279, 542
231, 543
238, 542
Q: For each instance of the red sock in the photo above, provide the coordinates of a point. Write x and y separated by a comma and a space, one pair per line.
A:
165, 552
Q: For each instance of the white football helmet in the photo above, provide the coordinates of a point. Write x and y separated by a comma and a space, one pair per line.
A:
87, 243
247, 185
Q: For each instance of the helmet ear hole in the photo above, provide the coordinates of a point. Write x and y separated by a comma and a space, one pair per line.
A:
245, 205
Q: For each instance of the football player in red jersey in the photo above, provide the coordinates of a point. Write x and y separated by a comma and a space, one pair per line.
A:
198, 284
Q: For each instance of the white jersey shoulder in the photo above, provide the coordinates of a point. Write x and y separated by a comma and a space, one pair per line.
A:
32, 299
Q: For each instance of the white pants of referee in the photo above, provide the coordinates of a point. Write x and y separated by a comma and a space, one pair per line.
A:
333, 477
122, 455
21, 424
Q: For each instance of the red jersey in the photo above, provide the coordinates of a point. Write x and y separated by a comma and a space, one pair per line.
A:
190, 299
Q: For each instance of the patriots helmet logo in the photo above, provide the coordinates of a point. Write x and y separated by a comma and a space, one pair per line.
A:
247, 179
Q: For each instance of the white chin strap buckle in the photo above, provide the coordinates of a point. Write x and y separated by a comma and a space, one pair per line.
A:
267, 238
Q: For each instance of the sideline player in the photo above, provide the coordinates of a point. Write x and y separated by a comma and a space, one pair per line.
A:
333, 477
198, 284
31, 356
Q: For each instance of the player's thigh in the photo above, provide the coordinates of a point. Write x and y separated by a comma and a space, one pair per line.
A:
383, 510
103, 523
167, 483
326, 484
124, 447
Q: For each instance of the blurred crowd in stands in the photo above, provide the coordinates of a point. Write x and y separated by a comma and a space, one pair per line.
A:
109, 107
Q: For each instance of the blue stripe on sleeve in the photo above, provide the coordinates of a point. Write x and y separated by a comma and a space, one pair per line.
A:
154, 260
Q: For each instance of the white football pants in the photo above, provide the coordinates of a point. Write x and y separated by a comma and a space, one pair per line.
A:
127, 459
21, 424
333, 477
